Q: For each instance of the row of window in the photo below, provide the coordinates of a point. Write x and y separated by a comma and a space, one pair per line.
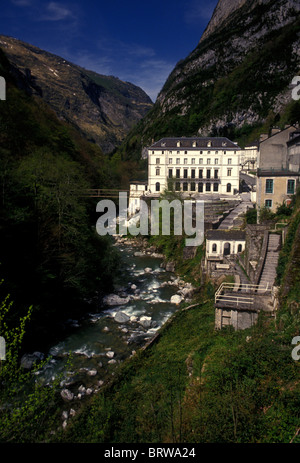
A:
226, 247
270, 186
185, 152
200, 187
209, 173
193, 161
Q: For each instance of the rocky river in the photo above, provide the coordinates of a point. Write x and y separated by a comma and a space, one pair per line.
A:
145, 297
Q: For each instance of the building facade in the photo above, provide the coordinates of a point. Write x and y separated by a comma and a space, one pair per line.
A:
137, 191
279, 168
194, 166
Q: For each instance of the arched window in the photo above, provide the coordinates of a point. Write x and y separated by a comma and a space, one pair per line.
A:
214, 248
228, 187
157, 186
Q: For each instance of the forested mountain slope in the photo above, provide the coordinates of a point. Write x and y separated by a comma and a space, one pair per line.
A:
103, 108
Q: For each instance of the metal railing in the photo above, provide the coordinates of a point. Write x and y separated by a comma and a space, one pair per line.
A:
222, 295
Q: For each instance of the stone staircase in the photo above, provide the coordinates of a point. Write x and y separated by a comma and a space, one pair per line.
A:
269, 270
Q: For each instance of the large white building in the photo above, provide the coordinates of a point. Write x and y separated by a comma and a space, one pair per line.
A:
194, 165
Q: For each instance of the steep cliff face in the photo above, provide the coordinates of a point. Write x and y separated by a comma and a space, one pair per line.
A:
103, 108
237, 78
222, 11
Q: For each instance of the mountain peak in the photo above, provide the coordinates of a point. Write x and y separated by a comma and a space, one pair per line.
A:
224, 10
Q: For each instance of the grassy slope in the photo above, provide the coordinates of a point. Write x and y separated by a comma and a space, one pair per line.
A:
196, 384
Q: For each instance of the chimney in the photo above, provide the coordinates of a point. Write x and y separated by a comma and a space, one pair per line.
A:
263, 137
275, 130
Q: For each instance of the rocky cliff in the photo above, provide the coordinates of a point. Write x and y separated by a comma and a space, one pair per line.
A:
103, 108
238, 77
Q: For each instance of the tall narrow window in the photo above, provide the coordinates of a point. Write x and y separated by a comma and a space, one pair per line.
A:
216, 187
200, 187
269, 185
268, 203
291, 187
157, 171
229, 172
208, 173
185, 173
170, 173
157, 161
185, 186
208, 187
216, 174
157, 186
201, 173
193, 174
177, 173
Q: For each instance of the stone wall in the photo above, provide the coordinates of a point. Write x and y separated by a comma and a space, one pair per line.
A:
238, 319
256, 242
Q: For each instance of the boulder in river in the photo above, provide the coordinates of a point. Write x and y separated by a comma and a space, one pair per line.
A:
176, 299
148, 270
110, 354
121, 317
114, 299
145, 322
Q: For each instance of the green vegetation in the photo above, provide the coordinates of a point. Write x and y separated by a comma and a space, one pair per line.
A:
52, 259
28, 410
198, 385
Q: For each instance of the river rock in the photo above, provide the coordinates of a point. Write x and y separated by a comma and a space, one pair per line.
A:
139, 254
121, 317
106, 329
114, 299
111, 362
134, 287
176, 299
72, 412
110, 354
170, 267
28, 360
66, 394
65, 415
187, 292
92, 372
148, 270
145, 322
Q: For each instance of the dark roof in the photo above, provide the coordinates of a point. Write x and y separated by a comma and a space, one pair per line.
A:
201, 142
139, 182
277, 173
228, 235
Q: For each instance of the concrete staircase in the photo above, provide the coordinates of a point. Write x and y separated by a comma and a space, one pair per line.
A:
269, 271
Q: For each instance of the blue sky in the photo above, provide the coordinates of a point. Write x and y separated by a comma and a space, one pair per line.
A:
137, 41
